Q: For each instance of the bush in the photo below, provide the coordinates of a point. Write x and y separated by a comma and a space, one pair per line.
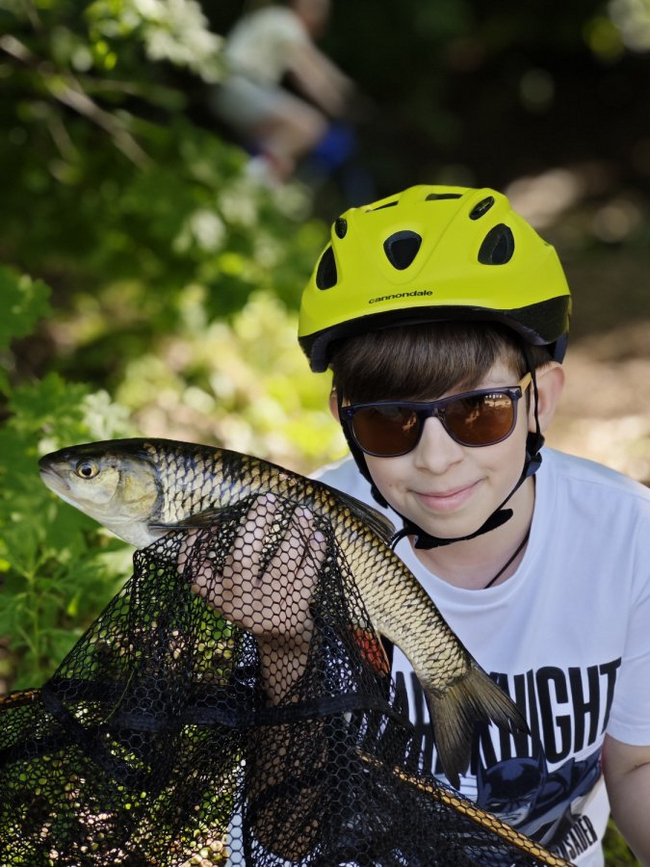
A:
56, 566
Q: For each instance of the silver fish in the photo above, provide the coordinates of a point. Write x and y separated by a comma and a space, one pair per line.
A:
141, 489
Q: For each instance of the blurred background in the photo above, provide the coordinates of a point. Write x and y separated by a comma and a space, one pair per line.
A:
150, 274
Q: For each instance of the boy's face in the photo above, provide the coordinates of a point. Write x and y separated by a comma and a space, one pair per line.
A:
448, 489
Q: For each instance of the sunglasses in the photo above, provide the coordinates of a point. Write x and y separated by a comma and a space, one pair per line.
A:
475, 418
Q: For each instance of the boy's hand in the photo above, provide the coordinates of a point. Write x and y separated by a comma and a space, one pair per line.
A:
265, 584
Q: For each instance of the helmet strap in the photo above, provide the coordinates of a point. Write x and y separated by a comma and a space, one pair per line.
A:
360, 460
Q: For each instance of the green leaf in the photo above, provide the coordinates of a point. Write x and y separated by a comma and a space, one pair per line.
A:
52, 406
24, 302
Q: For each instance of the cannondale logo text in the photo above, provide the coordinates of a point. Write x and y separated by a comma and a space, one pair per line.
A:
399, 295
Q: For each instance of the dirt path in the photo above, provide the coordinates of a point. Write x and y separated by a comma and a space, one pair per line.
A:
605, 410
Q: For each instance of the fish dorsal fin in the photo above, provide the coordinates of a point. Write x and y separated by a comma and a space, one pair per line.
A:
374, 519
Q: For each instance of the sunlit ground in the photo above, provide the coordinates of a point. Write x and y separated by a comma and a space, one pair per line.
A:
605, 410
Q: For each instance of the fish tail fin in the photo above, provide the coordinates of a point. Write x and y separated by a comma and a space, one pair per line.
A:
472, 699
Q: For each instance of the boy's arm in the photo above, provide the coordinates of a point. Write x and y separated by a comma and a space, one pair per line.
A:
320, 79
265, 586
627, 776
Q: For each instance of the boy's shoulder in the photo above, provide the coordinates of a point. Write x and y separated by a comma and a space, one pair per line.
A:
581, 470
581, 495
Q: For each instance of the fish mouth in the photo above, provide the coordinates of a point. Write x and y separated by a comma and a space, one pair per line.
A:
51, 479
47, 471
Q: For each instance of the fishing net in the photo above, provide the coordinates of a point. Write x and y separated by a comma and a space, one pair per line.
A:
232, 705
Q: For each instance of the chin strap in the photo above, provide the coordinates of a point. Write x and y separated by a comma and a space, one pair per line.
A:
424, 540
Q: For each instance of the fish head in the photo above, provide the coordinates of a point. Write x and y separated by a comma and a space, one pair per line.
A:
116, 482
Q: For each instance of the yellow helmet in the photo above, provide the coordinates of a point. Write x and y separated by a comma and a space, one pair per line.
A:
433, 253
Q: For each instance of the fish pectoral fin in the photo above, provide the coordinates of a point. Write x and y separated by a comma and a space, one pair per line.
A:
200, 521
471, 699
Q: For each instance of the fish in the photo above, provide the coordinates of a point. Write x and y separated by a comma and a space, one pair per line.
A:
141, 489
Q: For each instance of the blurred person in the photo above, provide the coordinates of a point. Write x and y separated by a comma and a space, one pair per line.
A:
265, 48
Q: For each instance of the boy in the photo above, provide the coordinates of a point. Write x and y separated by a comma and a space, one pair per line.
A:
444, 318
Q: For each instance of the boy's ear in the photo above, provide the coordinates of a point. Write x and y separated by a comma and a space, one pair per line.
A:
334, 405
550, 382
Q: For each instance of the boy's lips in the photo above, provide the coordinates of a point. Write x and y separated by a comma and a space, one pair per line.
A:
445, 501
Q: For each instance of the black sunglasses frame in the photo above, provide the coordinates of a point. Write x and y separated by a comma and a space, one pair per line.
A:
435, 408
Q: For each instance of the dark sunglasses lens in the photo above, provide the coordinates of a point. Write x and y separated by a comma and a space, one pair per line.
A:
480, 420
386, 430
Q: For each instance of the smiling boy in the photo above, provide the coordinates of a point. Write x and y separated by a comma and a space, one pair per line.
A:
444, 318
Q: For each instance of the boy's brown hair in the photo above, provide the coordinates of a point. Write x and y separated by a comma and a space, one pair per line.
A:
425, 361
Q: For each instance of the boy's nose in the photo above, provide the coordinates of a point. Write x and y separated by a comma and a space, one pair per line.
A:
436, 450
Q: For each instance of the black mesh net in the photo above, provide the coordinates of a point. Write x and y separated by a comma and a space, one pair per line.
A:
232, 705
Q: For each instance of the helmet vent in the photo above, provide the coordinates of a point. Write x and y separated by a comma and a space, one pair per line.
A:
387, 205
481, 208
401, 248
498, 246
326, 274
341, 227
436, 197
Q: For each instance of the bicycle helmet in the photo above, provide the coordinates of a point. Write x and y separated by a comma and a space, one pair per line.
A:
434, 253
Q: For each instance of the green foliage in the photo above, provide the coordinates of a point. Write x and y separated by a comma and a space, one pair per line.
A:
24, 302
245, 385
176, 32
108, 180
55, 567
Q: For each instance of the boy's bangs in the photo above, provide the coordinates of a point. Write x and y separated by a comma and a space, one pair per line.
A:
422, 362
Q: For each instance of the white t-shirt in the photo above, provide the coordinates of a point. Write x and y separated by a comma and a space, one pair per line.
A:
261, 44
568, 637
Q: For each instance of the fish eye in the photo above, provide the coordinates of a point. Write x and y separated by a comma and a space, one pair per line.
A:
87, 469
